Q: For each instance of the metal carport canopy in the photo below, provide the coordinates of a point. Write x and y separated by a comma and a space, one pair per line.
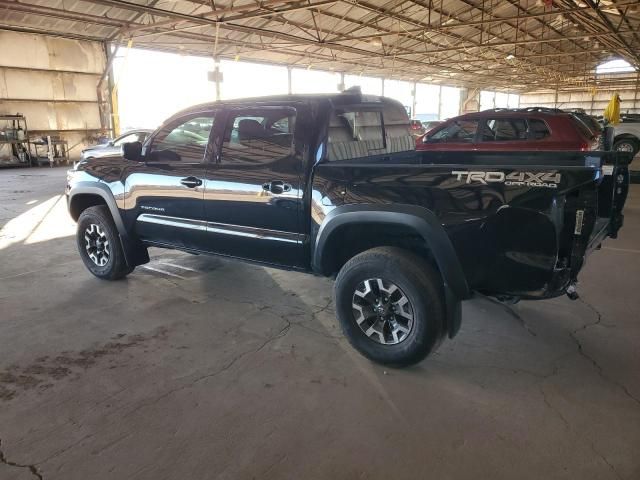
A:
514, 45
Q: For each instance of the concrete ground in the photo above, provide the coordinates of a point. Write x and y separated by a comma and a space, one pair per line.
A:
196, 367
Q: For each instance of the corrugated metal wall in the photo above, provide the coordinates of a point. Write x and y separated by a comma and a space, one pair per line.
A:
628, 88
52, 81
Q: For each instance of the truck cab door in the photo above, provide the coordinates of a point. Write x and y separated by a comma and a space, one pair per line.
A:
164, 192
253, 189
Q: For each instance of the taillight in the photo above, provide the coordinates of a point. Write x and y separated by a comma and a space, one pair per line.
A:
589, 145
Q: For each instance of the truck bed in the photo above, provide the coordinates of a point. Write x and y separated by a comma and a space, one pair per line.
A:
521, 223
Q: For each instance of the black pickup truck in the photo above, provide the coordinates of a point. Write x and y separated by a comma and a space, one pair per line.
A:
332, 185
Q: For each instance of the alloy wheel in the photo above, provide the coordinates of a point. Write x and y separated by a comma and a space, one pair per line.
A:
382, 311
97, 245
625, 147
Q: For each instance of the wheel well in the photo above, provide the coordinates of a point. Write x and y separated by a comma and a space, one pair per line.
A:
350, 240
626, 136
82, 201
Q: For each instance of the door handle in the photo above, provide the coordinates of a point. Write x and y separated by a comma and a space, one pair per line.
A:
276, 186
191, 182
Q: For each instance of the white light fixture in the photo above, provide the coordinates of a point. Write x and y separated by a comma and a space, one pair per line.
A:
510, 57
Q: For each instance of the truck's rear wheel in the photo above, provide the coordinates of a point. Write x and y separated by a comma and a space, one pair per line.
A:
99, 244
390, 304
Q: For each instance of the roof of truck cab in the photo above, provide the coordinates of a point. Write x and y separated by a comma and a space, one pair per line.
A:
345, 98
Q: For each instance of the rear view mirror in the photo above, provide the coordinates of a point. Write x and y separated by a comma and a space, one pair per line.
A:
132, 151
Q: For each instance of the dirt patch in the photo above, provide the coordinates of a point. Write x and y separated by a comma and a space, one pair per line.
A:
44, 370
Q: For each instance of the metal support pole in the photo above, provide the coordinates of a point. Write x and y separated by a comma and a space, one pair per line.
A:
106, 118
382, 87
217, 77
342, 86
414, 102
464, 99
439, 102
289, 86
635, 94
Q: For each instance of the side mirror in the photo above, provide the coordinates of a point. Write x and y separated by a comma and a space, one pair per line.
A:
132, 151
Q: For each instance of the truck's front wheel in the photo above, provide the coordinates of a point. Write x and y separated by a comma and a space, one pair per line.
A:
390, 304
99, 244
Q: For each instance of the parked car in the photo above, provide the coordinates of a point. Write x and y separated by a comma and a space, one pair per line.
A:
332, 185
511, 129
417, 128
589, 121
114, 147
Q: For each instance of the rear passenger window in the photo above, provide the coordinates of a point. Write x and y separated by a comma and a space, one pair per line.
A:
258, 136
504, 130
538, 129
397, 129
355, 133
459, 131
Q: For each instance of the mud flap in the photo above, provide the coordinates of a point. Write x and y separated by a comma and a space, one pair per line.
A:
453, 306
134, 252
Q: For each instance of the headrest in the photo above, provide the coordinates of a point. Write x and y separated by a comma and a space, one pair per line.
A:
248, 129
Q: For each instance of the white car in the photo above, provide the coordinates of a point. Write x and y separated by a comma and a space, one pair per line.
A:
113, 147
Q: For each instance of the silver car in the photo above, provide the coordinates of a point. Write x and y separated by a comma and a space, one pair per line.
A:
113, 147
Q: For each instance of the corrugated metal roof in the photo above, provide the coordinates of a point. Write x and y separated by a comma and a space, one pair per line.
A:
506, 44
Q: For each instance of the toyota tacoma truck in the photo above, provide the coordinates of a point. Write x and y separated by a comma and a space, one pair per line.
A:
332, 185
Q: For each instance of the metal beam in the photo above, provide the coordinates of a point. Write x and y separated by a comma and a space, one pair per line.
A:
612, 28
217, 14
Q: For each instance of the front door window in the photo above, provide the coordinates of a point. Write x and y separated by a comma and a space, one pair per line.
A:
183, 141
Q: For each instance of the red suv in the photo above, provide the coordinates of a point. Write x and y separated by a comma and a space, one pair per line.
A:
514, 129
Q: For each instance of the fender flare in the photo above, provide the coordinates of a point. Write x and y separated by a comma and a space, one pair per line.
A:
423, 221
134, 252
626, 136
101, 190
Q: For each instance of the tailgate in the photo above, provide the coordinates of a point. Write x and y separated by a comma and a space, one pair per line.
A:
612, 192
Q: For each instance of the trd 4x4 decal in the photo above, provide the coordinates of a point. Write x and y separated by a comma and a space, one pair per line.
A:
528, 179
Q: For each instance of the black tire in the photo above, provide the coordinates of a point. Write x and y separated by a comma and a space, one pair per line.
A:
416, 280
627, 145
97, 221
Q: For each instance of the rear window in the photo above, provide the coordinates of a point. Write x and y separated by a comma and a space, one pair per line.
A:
590, 122
359, 126
360, 132
538, 129
584, 130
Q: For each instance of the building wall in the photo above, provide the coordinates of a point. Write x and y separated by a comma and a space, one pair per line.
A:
52, 81
592, 101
